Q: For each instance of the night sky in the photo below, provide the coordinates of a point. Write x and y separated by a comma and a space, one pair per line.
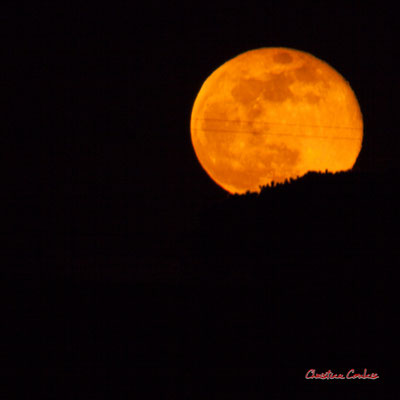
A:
101, 96
99, 167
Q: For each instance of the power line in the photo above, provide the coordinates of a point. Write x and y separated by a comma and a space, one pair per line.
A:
279, 134
276, 123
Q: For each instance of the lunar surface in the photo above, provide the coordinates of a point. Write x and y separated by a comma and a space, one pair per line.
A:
273, 114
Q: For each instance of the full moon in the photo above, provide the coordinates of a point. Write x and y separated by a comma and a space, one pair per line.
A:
272, 114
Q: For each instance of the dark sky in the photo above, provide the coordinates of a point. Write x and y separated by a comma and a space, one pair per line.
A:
99, 173
99, 99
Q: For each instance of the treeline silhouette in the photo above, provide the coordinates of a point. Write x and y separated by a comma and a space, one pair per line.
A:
268, 286
318, 217
306, 270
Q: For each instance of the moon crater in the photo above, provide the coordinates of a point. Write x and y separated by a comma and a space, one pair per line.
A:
283, 58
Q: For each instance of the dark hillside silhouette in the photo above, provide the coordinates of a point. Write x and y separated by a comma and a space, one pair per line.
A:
315, 256
300, 275
319, 216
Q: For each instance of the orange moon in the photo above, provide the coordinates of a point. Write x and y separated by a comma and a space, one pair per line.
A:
272, 114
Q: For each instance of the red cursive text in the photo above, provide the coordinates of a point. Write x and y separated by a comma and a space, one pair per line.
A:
312, 374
